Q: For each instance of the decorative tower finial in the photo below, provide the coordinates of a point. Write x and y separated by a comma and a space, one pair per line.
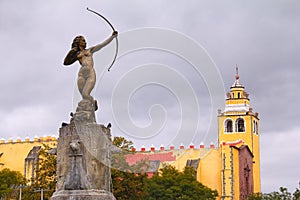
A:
237, 72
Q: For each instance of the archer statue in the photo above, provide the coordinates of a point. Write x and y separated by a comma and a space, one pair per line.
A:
86, 76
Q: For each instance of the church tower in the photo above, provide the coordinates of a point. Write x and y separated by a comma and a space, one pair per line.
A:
238, 129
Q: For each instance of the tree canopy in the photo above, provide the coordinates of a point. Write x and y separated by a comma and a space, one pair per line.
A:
44, 176
9, 182
172, 184
123, 143
283, 194
129, 181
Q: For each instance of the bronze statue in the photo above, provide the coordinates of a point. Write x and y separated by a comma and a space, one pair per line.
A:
86, 76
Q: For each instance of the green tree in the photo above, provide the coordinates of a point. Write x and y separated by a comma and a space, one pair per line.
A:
282, 194
128, 186
44, 176
296, 194
256, 196
172, 184
9, 182
45, 172
128, 180
123, 143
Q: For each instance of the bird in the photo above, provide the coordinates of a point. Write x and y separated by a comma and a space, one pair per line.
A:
108, 125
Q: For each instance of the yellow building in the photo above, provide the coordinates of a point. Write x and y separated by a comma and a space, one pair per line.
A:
232, 167
21, 155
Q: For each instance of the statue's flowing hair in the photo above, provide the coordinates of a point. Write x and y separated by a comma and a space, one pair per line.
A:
71, 57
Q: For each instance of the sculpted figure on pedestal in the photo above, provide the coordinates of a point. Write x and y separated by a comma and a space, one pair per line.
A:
86, 76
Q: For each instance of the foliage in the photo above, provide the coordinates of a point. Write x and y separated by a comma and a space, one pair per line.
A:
46, 170
9, 182
296, 194
44, 176
283, 194
128, 185
118, 159
122, 143
172, 184
255, 196
128, 180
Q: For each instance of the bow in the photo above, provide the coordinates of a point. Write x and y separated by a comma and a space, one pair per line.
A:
117, 42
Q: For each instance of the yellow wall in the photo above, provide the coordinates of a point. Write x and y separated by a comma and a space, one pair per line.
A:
209, 170
256, 164
15, 152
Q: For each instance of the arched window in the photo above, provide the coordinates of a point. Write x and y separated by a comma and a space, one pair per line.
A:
256, 125
240, 125
228, 126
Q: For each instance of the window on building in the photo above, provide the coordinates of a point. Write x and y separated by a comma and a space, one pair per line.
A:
239, 95
256, 126
240, 125
228, 126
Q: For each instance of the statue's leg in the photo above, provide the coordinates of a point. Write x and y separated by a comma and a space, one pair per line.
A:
87, 89
81, 83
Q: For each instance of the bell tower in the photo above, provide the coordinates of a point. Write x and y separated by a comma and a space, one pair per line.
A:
238, 126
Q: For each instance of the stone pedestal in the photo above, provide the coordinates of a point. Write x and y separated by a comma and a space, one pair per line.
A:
83, 162
82, 194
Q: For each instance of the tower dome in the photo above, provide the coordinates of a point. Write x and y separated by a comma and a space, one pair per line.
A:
237, 99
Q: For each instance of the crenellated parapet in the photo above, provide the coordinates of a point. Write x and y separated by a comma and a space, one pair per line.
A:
172, 147
18, 140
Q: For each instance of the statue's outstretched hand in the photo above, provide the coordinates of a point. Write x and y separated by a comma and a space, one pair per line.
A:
115, 33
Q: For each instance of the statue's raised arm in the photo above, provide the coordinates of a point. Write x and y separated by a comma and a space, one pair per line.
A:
103, 44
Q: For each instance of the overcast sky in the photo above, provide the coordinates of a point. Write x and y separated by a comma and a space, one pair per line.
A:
261, 37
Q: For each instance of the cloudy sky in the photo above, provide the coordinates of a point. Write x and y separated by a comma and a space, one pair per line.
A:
176, 95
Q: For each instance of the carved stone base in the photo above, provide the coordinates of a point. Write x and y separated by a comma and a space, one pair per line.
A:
83, 162
83, 195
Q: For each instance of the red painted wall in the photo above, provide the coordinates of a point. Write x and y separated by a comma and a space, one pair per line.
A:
162, 157
245, 172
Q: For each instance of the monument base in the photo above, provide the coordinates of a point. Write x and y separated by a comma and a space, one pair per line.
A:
83, 195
